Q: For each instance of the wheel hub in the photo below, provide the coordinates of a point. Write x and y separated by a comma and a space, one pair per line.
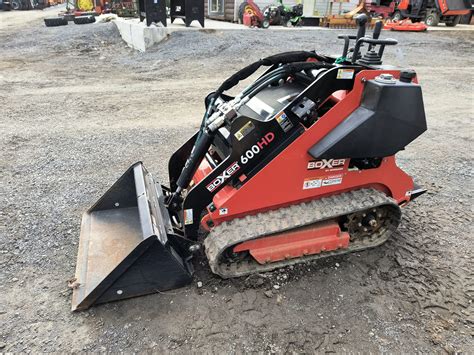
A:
363, 225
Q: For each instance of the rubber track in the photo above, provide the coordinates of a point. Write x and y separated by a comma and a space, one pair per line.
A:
55, 21
239, 230
83, 20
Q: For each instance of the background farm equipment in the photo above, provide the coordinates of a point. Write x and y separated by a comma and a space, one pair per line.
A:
432, 12
381, 8
32, 4
342, 19
281, 14
405, 25
5, 5
251, 15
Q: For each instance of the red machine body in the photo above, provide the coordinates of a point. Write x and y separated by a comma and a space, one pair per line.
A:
297, 181
293, 244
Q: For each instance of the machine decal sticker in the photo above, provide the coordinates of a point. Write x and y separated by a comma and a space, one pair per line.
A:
188, 216
332, 180
223, 177
223, 211
246, 129
314, 183
311, 183
330, 164
257, 148
345, 74
284, 121
244, 159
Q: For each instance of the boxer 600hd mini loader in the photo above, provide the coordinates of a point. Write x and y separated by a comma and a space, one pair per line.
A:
299, 166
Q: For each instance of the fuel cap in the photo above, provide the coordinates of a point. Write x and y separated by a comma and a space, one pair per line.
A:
385, 78
407, 75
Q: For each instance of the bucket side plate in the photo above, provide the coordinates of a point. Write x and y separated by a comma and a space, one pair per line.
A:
123, 249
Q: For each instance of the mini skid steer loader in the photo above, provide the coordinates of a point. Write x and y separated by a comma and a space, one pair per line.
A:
299, 166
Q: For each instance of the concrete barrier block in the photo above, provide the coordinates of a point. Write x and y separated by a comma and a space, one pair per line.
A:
138, 36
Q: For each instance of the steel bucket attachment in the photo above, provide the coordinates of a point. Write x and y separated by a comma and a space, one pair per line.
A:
124, 248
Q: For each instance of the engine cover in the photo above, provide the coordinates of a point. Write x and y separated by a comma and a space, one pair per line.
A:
390, 116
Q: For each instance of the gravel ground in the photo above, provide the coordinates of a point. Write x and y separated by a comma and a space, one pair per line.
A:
78, 107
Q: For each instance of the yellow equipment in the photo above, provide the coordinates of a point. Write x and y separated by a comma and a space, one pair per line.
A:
85, 5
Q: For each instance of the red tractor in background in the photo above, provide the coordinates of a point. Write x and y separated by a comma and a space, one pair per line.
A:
381, 8
251, 15
432, 12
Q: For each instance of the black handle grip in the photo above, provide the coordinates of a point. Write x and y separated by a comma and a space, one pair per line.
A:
346, 39
385, 41
346, 44
361, 21
377, 30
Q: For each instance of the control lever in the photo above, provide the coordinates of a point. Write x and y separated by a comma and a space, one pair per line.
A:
346, 39
361, 21
377, 31
372, 42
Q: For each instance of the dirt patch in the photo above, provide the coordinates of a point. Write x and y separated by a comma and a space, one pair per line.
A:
79, 107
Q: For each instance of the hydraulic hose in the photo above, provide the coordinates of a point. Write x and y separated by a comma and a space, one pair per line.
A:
262, 79
283, 72
206, 116
282, 58
203, 142
204, 138
199, 150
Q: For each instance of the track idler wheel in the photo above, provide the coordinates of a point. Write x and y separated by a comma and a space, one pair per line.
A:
363, 225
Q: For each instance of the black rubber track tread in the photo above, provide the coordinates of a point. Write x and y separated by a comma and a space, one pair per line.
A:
250, 227
83, 20
55, 21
